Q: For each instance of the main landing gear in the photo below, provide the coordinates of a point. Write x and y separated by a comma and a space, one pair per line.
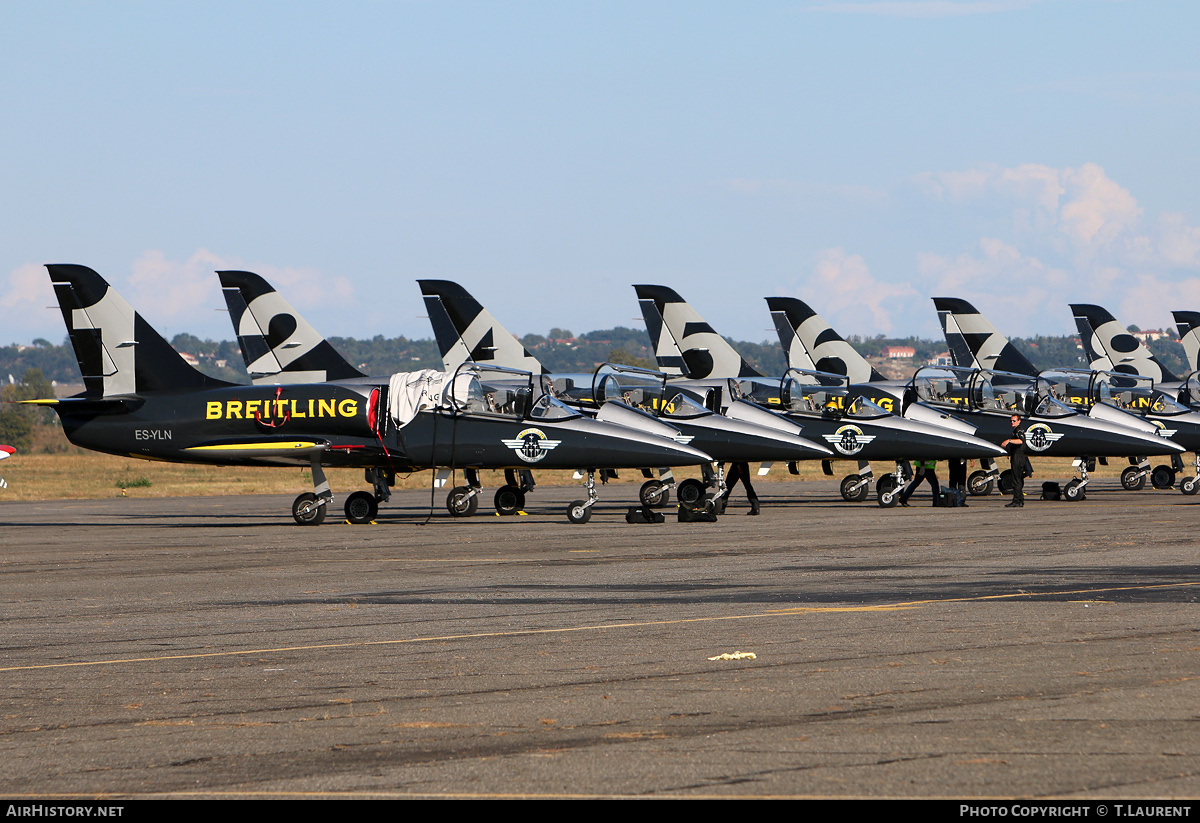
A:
656, 494
361, 507
510, 498
854, 487
981, 482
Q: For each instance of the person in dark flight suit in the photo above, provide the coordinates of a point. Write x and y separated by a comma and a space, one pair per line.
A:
1015, 446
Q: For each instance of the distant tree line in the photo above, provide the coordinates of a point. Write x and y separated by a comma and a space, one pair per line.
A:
560, 350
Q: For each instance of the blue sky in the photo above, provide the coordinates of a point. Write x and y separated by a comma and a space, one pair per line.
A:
864, 156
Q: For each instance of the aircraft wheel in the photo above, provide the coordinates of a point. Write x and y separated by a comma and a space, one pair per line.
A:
720, 504
577, 512
307, 510
509, 500
361, 507
654, 494
1163, 477
887, 491
1073, 491
1132, 479
979, 484
1006, 481
691, 493
1188, 485
852, 495
461, 503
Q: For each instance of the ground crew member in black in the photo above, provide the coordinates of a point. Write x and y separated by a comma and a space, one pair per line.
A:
925, 470
1015, 446
741, 471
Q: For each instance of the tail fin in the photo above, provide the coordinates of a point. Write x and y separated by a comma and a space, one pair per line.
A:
465, 330
1122, 349
974, 342
278, 345
809, 340
119, 353
1093, 352
666, 348
1188, 323
705, 353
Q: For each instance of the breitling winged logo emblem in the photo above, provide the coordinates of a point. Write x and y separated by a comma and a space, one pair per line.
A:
1040, 437
849, 439
531, 445
1163, 431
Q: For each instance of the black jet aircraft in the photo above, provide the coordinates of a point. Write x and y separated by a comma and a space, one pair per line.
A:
1054, 428
279, 346
142, 400
1151, 391
975, 343
735, 432
944, 397
856, 427
810, 343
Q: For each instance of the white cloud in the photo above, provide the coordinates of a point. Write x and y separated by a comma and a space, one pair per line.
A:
1022, 292
173, 295
170, 290
842, 286
1082, 208
28, 286
1077, 235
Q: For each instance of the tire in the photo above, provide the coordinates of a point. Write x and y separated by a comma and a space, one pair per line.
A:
577, 512
691, 493
1163, 477
509, 500
887, 491
852, 495
1189, 486
654, 494
1073, 491
1006, 483
461, 503
1132, 479
307, 510
720, 504
980, 484
361, 507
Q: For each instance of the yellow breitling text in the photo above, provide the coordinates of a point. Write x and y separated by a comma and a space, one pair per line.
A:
272, 409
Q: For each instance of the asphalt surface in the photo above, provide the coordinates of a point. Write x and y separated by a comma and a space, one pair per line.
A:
209, 647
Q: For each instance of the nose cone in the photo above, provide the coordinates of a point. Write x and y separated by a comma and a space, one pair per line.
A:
729, 439
905, 439
612, 446
1088, 435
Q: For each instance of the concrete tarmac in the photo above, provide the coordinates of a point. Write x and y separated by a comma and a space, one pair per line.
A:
209, 647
